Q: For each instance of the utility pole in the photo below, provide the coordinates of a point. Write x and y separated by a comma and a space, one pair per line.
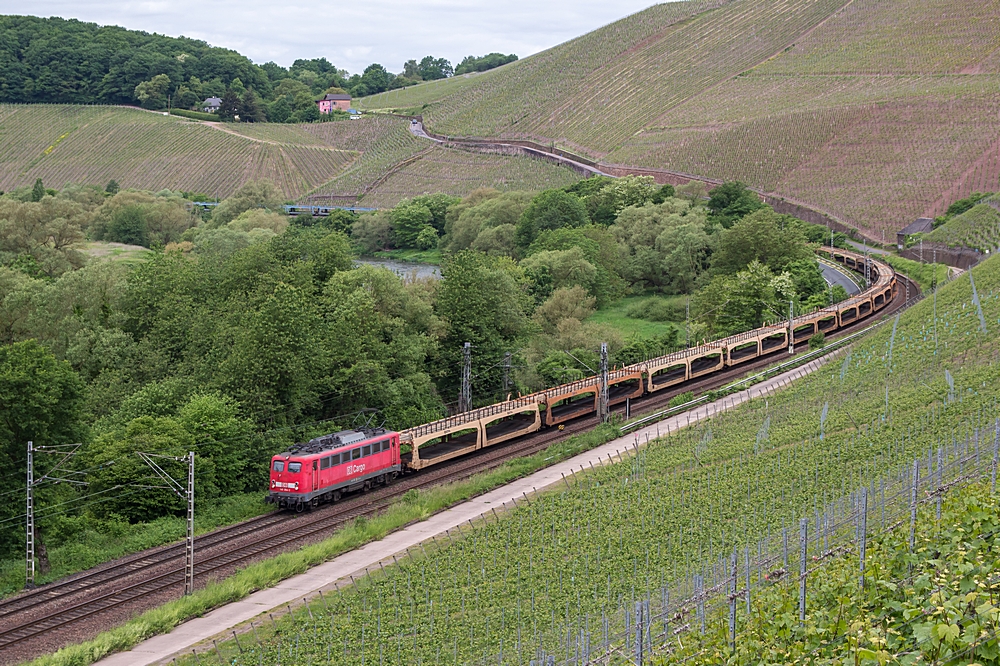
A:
66, 451
687, 324
791, 333
30, 562
603, 406
189, 551
506, 373
934, 278
183, 492
465, 398
867, 265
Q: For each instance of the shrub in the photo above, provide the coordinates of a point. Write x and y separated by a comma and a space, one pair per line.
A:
817, 341
194, 115
678, 400
427, 238
655, 309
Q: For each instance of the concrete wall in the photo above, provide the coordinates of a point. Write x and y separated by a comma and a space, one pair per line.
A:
953, 256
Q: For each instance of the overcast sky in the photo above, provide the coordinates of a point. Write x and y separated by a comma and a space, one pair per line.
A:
351, 35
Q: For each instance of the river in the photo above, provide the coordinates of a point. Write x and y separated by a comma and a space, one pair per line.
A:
405, 269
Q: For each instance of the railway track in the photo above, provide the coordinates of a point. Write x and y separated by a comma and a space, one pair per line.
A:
138, 581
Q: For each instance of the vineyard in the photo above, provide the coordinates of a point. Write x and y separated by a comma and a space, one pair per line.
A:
563, 569
977, 228
879, 37
877, 112
395, 165
414, 97
376, 156
79, 144
457, 172
912, 607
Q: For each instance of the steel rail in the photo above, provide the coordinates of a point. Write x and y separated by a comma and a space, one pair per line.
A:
454, 470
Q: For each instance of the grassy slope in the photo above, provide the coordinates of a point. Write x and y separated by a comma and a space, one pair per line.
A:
879, 112
458, 173
589, 547
62, 144
614, 315
977, 228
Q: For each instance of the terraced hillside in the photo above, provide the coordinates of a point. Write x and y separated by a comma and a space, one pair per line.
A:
92, 144
372, 158
457, 172
977, 228
878, 111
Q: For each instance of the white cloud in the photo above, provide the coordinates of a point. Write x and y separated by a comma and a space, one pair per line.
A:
351, 34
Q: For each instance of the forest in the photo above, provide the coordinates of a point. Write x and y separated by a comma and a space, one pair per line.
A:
242, 330
59, 61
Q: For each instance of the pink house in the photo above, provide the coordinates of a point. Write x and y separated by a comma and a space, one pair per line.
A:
331, 102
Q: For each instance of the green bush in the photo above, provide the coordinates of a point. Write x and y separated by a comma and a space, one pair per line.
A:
682, 398
817, 341
194, 115
655, 309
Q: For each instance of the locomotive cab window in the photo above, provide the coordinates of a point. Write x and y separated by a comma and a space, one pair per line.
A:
355, 454
325, 462
294, 467
279, 466
366, 450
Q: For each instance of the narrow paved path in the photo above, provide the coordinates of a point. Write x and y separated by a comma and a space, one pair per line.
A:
834, 276
861, 247
326, 577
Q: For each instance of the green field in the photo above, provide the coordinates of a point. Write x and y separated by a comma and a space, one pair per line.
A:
618, 317
432, 257
896, 618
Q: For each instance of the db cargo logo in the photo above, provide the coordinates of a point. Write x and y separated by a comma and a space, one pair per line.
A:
280, 485
355, 469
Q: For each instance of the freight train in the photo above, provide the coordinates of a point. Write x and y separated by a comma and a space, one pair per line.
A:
325, 468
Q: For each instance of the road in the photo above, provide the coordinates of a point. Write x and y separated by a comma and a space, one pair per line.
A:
417, 129
861, 247
834, 276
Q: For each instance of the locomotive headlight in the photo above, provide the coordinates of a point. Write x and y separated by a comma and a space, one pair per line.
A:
296, 485
272, 483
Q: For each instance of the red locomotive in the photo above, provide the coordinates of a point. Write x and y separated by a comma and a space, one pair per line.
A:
322, 469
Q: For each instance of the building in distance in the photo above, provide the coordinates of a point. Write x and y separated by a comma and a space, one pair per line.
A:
211, 105
333, 101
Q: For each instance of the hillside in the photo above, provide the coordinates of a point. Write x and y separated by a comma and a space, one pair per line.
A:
66, 61
566, 567
140, 149
878, 111
977, 228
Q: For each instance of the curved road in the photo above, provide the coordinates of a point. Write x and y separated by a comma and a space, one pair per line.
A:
834, 276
